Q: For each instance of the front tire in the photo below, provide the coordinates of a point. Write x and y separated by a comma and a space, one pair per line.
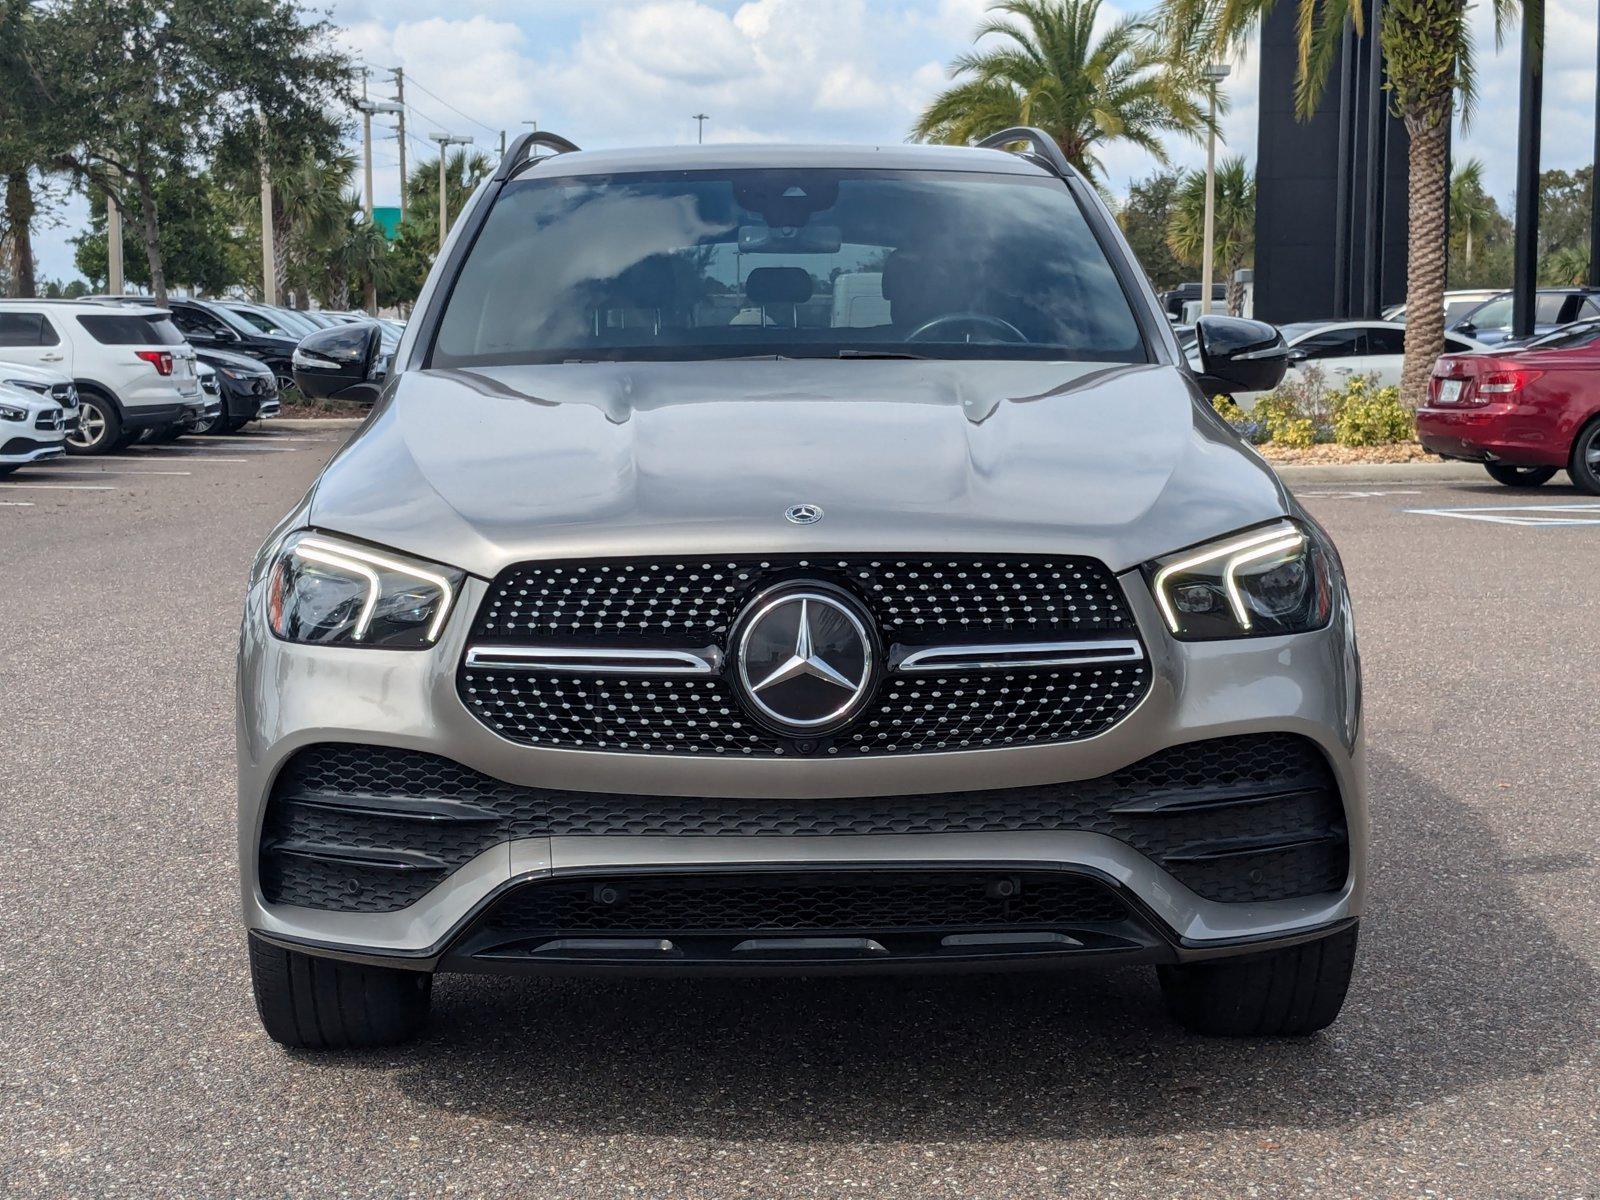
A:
1280, 993
313, 1003
99, 426
1519, 477
1584, 466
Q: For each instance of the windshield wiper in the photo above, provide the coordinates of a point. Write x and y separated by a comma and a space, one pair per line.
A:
880, 354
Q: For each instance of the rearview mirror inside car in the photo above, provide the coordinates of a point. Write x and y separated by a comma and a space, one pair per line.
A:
340, 363
1237, 355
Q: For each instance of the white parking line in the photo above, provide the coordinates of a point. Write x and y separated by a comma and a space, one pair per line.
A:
63, 487
258, 438
147, 458
114, 471
1527, 515
16, 503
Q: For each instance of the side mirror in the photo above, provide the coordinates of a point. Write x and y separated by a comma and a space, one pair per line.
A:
223, 334
1297, 356
1239, 356
1467, 327
340, 363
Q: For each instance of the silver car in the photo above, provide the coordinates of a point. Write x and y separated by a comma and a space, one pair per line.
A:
795, 559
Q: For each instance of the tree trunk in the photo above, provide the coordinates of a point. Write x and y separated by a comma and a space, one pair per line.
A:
1425, 263
19, 231
1235, 293
150, 228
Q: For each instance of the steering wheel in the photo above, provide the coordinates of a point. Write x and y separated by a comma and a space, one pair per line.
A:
921, 332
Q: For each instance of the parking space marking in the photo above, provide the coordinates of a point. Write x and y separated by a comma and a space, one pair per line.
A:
64, 487
1527, 515
16, 503
147, 458
116, 471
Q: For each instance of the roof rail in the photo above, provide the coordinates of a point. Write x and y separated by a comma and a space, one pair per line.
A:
1042, 148
522, 148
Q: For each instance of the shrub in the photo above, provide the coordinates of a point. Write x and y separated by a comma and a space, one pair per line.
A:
1367, 416
1228, 410
1295, 431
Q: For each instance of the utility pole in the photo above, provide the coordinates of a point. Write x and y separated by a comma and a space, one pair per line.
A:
700, 120
446, 140
1530, 106
502, 143
269, 264
365, 106
400, 114
1214, 74
114, 283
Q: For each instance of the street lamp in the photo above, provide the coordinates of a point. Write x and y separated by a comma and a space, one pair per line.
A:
700, 120
366, 108
1214, 74
446, 140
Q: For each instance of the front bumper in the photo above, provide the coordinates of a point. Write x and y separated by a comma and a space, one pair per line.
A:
294, 696
17, 451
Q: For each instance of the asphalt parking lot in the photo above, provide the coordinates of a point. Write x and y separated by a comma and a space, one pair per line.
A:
131, 1062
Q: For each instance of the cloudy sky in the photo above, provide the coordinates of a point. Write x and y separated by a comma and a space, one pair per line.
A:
631, 72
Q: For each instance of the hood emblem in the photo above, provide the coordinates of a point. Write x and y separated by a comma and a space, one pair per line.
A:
803, 514
804, 659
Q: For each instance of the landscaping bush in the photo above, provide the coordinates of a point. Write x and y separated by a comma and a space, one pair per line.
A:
1295, 431
1368, 416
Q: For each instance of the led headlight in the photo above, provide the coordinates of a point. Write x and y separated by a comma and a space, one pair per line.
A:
8, 413
29, 385
1267, 581
331, 592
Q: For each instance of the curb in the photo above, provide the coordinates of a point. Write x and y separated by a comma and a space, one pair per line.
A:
311, 422
1447, 472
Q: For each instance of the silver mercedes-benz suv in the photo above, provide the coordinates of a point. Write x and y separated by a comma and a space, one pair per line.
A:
795, 559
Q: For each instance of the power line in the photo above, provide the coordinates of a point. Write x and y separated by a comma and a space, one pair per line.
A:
452, 107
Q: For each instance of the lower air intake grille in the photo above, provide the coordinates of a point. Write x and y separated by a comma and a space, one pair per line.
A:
834, 902
357, 828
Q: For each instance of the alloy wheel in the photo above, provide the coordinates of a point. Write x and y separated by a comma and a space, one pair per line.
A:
91, 426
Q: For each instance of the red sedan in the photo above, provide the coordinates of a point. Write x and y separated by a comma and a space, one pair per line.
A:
1524, 413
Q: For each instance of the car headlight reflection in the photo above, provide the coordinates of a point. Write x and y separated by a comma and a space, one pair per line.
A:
327, 591
1268, 581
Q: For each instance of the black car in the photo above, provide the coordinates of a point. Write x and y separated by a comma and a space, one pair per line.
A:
247, 386
211, 326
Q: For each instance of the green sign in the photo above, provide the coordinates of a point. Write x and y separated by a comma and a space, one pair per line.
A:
388, 220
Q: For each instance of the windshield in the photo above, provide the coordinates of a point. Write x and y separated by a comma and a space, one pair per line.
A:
815, 263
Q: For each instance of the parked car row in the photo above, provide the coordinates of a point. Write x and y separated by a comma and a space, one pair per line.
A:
114, 370
1524, 408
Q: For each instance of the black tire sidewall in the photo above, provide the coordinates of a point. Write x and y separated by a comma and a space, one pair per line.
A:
1584, 479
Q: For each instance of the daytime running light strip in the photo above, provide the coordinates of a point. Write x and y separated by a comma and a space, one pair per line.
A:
357, 557
1260, 545
345, 564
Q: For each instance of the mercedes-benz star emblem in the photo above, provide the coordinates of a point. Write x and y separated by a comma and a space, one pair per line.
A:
805, 659
803, 514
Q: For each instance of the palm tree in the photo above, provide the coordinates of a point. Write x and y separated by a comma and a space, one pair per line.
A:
1471, 208
1234, 222
1047, 69
463, 171
1427, 52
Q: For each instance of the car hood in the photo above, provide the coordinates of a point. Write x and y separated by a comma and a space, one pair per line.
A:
15, 370
480, 468
232, 360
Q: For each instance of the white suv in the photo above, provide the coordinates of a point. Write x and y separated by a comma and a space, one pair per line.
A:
132, 368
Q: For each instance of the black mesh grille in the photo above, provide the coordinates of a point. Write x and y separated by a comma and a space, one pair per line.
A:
920, 713
834, 902
693, 601
1266, 804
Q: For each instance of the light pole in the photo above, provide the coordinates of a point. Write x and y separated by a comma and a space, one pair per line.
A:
1214, 74
700, 120
446, 140
366, 108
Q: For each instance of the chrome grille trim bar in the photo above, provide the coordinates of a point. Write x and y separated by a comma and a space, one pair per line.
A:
597, 660
1015, 654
